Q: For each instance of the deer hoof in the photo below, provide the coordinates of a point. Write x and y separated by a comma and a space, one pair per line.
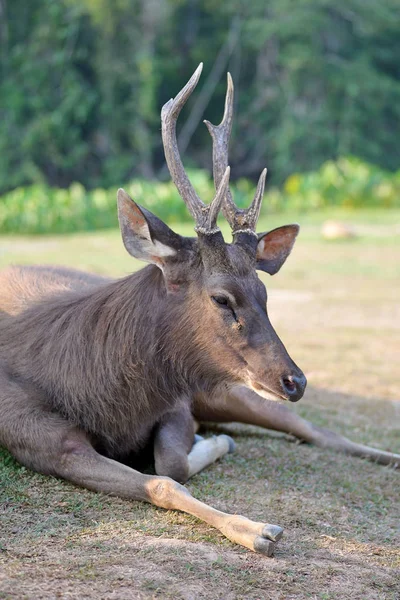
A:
272, 532
232, 445
264, 546
260, 537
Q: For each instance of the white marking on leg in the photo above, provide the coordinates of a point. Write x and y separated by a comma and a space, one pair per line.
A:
205, 452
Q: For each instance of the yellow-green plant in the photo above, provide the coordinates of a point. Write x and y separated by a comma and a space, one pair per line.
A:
347, 182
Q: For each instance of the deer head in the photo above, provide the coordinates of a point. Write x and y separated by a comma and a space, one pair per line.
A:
223, 303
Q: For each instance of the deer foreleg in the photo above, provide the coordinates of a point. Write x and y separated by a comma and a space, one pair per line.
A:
175, 453
85, 467
244, 406
81, 464
260, 537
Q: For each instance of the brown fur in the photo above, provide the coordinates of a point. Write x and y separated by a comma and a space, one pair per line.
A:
93, 351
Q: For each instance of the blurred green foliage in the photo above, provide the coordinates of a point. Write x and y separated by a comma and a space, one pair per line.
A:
82, 83
348, 183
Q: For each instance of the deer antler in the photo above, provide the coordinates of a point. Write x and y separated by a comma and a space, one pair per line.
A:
241, 221
205, 215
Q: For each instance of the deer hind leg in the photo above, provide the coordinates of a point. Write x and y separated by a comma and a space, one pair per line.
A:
48, 444
177, 452
244, 406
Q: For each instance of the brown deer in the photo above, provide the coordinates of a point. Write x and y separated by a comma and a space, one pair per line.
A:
95, 372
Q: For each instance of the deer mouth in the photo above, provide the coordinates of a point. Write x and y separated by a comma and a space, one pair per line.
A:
264, 391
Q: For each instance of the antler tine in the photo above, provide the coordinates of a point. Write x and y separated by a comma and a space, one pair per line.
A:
215, 206
204, 215
241, 221
221, 135
253, 212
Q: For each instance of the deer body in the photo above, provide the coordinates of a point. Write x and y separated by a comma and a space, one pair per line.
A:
78, 377
109, 361
95, 363
93, 371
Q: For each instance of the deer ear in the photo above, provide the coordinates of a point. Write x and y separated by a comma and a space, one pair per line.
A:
274, 247
144, 235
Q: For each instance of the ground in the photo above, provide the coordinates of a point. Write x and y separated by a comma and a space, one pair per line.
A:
336, 307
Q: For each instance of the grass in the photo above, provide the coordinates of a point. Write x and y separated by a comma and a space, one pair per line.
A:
336, 306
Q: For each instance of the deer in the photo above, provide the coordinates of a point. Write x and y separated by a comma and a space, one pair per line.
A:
95, 373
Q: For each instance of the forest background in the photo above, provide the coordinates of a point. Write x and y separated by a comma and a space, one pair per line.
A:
82, 83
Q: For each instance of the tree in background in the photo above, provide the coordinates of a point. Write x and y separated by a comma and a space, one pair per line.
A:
82, 83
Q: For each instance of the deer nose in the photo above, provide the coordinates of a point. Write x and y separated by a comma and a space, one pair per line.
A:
294, 386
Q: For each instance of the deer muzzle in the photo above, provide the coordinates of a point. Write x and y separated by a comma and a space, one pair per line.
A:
294, 385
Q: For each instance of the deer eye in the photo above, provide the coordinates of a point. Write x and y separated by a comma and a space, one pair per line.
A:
220, 300
225, 303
